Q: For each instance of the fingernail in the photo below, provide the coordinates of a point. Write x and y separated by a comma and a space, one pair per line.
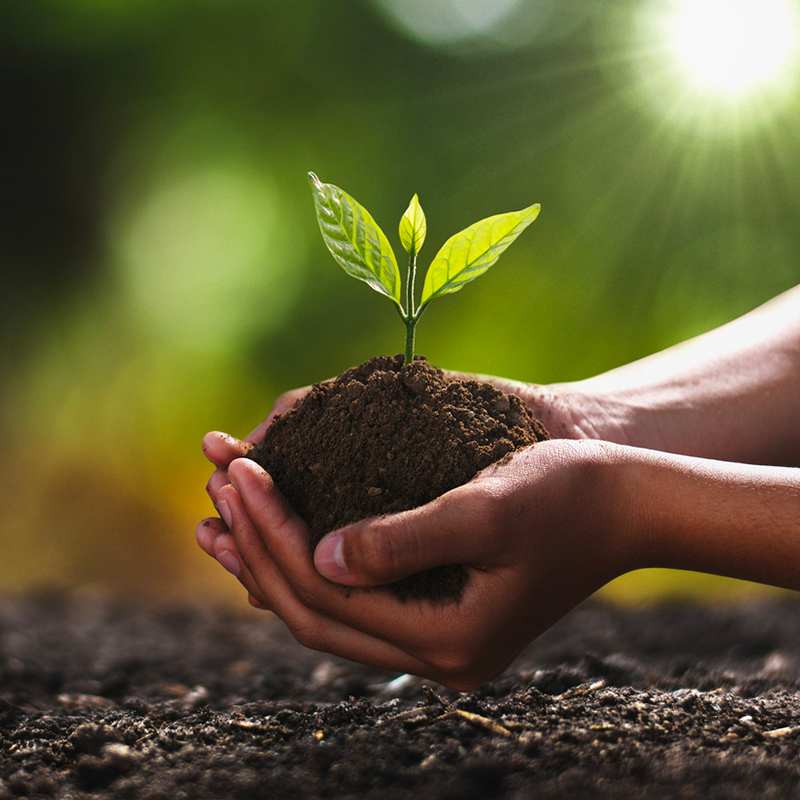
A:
229, 561
329, 558
224, 512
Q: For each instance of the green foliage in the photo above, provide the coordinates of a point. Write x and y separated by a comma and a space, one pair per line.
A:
363, 251
468, 254
413, 227
354, 239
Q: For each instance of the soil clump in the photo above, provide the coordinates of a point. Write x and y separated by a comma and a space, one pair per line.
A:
383, 438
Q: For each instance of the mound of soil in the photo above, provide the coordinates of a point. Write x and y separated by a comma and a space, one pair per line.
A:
384, 437
105, 700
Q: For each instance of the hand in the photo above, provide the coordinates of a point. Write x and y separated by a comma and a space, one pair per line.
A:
537, 535
568, 410
222, 448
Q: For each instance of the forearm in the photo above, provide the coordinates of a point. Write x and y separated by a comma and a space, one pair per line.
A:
731, 394
723, 518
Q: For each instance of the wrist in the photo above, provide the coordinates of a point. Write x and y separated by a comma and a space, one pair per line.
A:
630, 505
597, 500
624, 497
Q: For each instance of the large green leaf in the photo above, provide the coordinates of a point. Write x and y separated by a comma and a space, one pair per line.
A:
468, 254
354, 239
413, 227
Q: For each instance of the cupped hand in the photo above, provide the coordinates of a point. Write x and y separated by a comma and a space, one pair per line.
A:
537, 535
213, 534
220, 449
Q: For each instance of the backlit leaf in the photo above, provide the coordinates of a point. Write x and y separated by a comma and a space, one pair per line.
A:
354, 239
413, 227
468, 254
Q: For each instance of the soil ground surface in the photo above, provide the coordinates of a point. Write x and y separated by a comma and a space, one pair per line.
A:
103, 699
384, 437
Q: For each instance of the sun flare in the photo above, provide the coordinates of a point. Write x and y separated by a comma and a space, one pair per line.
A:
734, 46
717, 67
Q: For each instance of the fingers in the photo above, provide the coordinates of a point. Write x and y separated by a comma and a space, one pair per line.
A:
273, 543
454, 529
207, 531
221, 448
218, 479
271, 588
216, 541
444, 642
258, 572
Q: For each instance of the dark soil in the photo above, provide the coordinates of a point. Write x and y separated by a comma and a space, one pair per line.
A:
384, 437
104, 700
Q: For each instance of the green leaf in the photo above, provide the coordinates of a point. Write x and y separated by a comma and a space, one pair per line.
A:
413, 227
468, 254
354, 239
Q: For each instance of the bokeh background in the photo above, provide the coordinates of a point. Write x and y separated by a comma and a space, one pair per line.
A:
163, 275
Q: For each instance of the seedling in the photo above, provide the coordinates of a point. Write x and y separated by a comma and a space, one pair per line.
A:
363, 251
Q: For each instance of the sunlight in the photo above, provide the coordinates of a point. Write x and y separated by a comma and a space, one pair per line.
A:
716, 68
734, 46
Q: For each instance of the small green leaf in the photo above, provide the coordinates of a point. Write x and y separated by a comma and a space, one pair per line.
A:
413, 227
354, 238
468, 254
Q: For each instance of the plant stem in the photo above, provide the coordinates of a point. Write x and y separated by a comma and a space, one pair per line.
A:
411, 314
411, 324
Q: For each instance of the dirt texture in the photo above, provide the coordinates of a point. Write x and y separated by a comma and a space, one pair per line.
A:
100, 699
384, 437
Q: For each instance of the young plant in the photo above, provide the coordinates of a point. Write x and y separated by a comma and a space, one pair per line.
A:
362, 249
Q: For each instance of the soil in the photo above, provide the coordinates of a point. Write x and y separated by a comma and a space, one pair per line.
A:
104, 699
384, 437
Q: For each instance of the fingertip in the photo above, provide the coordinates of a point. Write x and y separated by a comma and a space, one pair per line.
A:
227, 497
207, 531
242, 467
211, 448
218, 479
209, 438
248, 476
262, 502
221, 448
255, 603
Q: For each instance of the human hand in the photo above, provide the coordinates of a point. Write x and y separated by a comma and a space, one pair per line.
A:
213, 536
536, 535
220, 449
566, 410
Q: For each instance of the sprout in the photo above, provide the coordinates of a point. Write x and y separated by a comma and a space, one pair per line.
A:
363, 251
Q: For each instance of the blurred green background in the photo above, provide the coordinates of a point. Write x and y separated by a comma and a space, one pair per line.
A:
163, 275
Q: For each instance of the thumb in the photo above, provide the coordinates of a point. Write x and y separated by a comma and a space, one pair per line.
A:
385, 549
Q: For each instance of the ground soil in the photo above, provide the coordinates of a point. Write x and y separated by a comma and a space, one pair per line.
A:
384, 437
103, 699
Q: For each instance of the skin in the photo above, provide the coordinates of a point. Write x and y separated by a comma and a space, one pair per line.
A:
686, 459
